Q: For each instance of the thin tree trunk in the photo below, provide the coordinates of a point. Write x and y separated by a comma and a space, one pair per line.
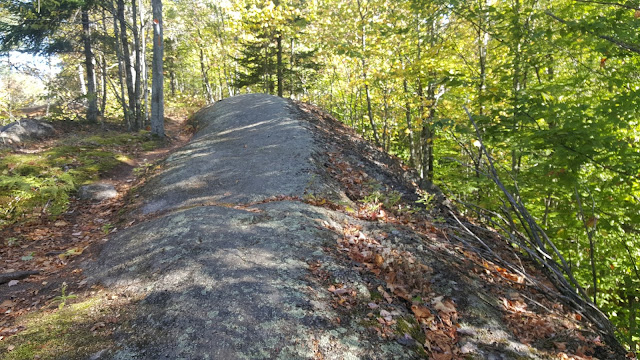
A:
483, 41
172, 82
279, 66
103, 104
420, 145
516, 90
291, 65
407, 113
92, 96
427, 136
157, 94
363, 44
103, 85
83, 83
138, 78
592, 249
205, 78
123, 102
144, 108
132, 125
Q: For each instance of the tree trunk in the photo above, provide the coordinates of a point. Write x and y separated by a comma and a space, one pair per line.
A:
363, 44
123, 102
137, 51
407, 112
279, 66
205, 78
92, 96
428, 136
144, 108
483, 41
81, 80
132, 125
103, 59
172, 82
157, 92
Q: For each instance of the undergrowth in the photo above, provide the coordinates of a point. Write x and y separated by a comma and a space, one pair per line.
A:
42, 183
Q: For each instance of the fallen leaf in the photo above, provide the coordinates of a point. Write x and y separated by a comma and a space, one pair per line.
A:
60, 223
98, 326
379, 260
420, 312
446, 306
560, 345
13, 282
11, 347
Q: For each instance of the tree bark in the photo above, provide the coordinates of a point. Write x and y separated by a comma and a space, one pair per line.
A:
363, 44
205, 78
103, 62
137, 51
123, 102
92, 96
127, 66
144, 109
279, 66
407, 112
157, 92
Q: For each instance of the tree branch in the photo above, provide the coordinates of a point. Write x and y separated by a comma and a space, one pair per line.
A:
619, 43
632, 7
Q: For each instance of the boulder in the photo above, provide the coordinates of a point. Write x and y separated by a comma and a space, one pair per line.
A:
24, 130
97, 192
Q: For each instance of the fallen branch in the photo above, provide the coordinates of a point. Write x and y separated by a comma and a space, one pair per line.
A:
17, 275
544, 252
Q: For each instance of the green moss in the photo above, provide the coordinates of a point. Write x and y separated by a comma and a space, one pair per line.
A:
375, 295
32, 182
409, 325
65, 333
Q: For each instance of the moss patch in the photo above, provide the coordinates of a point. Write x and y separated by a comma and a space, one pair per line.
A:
43, 182
73, 332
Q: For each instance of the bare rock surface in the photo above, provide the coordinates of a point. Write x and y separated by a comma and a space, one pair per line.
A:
229, 283
24, 130
97, 192
231, 263
248, 148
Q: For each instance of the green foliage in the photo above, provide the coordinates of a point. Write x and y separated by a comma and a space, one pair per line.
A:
555, 98
43, 182
63, 297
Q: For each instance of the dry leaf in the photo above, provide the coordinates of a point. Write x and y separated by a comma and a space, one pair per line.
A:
446, 306
379, 260
420, 312
98, 326
60, 223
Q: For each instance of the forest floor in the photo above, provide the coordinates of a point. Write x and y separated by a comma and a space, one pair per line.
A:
52, 246
337, 255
